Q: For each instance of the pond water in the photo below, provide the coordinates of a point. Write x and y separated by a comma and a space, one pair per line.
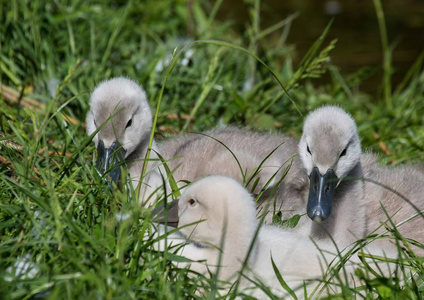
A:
355, 26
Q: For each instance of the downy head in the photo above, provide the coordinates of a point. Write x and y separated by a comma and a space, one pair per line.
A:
221, 204
120, 108
329, 149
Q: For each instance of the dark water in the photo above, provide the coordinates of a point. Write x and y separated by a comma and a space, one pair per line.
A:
355, 26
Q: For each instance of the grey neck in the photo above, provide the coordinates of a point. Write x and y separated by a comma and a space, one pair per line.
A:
141, 149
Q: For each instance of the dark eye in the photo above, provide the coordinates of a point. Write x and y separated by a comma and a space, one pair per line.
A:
343, 152
129, 123
309, 150
192, 202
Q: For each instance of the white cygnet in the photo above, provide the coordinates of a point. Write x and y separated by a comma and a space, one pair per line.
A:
120, 106
346, 187
223, 223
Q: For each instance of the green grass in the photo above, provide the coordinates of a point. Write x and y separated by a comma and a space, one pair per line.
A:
54, 211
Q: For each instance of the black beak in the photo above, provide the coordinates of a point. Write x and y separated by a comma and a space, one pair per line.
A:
321, 194
167, 214
109, 160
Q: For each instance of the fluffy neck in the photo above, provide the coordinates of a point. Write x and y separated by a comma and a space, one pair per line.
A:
141, 149
235, 248
154, 171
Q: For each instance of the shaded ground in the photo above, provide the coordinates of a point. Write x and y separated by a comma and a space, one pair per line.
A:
355, 26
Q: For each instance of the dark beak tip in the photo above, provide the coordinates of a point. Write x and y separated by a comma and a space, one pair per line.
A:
173, 224
317, 217
168, 215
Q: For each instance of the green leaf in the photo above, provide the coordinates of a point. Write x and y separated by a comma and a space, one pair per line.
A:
281, 280
289, 223
177, 258
292, 222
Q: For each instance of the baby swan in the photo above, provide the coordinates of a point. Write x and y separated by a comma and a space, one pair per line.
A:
330, 152
227, 217
120, 106
340, 201
224, 223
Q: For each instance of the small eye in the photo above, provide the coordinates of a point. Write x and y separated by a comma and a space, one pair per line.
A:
343, 152
309, 150
192, 202
129, 123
